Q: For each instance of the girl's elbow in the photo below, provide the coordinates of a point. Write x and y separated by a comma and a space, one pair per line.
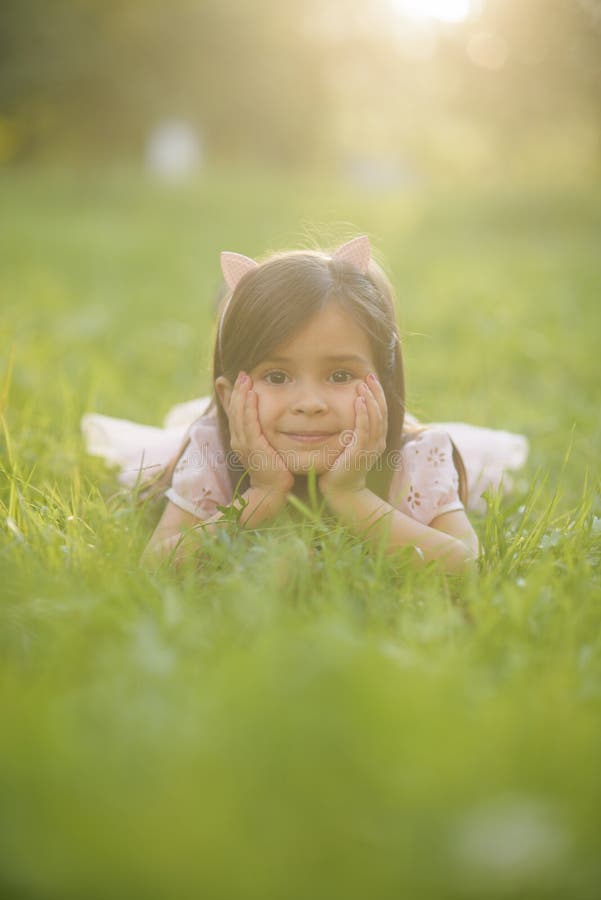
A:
464, 558
157, 551
463, 562
152, 555
457, 559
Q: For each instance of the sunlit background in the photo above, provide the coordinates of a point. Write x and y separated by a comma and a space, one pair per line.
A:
443, 10
389, 92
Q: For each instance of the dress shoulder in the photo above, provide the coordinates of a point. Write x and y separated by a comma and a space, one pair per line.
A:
200, 479
426, 483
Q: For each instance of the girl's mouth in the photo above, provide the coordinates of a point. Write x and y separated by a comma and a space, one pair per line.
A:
309, 437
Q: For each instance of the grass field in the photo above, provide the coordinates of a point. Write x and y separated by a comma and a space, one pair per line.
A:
284, 723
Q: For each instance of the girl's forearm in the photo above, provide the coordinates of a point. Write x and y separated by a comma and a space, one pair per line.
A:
175, 548
261, 504
366, 514
179, 546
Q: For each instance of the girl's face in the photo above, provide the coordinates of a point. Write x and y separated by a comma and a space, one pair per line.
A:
306, 389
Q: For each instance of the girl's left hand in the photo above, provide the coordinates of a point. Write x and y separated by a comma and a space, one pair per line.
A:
366, 442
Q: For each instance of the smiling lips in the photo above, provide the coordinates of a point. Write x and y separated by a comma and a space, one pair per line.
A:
309, 437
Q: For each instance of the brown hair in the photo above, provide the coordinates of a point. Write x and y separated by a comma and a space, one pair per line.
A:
270, 303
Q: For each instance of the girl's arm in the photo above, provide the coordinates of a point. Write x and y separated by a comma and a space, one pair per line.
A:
458, 525
449, 538
168, 533
174, 532
270, 481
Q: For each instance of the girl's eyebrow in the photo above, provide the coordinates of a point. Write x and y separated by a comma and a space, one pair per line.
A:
343, 357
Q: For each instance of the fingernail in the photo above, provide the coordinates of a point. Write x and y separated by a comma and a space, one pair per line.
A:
372, 377
242, 378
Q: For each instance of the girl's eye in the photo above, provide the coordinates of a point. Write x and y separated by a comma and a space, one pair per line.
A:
341, 376
276, 377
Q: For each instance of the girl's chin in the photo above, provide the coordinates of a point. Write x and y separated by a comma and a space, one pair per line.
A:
300, 463
304, 470
303, 467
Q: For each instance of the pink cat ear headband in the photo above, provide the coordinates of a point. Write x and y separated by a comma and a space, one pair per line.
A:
356, 252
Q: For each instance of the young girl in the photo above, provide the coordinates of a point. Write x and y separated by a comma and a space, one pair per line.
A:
308, 375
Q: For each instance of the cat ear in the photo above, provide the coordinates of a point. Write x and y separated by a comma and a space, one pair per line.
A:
356, 251
234, 266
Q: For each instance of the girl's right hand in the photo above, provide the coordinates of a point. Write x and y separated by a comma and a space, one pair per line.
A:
266, 468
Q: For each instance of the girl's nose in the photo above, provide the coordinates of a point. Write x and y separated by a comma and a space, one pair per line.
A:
309, 402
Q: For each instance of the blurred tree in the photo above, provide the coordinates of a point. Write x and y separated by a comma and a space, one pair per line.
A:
515, 75
289, 83
538, 64
95, 75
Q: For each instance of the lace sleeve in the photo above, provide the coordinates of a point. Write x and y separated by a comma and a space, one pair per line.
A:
426, 485
200, 479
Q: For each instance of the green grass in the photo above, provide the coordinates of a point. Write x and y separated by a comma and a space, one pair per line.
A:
297, 718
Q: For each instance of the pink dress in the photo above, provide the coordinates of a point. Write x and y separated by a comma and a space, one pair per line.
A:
424, 485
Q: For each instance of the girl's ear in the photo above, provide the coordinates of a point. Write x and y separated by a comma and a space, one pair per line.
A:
224, 392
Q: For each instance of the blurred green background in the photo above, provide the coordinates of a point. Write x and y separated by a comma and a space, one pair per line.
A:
297, 718
418, 88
